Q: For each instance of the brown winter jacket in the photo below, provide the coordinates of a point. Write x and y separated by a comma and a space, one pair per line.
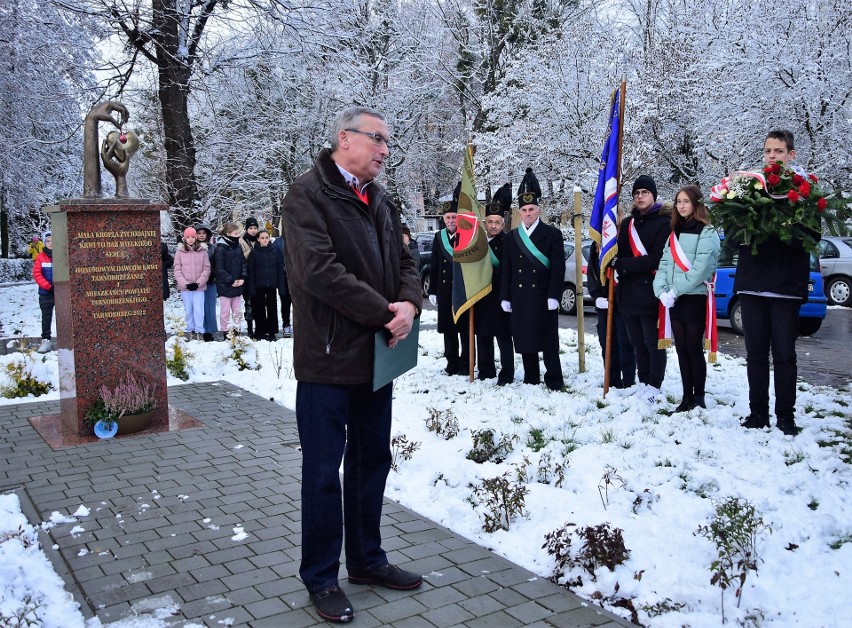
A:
345, 264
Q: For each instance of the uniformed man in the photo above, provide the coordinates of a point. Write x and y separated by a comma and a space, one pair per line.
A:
533, 270
490, 321
456, 335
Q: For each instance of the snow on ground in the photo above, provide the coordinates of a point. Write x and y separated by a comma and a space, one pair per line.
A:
627, 462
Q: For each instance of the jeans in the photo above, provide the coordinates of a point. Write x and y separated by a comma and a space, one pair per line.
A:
352, 423
771, 322
650, 361
210, 309
46, 303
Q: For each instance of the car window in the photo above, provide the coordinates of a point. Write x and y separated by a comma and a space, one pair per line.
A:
569, 250
827, 250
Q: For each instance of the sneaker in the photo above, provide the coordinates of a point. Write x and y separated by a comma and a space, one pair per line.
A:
288, 331
331, 604
45, 346
756, 421
389, 576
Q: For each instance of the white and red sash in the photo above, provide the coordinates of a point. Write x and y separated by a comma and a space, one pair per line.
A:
635, 242
711, 341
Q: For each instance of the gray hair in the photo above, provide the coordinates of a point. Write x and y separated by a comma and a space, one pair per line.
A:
350, 118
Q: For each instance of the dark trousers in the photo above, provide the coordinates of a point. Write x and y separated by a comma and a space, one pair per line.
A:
622, 365
286, 302
351, 423
46, 302
552, 369
264, 307
485, 351
210, 316
689, 344
650, 361
771, 323
457, 347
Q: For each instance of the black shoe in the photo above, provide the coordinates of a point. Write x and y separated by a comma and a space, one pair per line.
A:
389, 576
788, 426
756, 421
207, 337
451, 370
698, 402
463, 373
685, 405
331, 604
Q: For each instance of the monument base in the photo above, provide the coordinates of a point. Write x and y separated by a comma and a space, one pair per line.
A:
60, 431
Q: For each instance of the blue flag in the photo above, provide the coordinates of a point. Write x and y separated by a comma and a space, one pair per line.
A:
602, 223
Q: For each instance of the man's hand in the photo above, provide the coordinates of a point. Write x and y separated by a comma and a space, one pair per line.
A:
506, 305
601, 303
400, 324
433, 299
552, 304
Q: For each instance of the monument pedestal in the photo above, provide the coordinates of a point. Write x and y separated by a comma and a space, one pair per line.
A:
107, 272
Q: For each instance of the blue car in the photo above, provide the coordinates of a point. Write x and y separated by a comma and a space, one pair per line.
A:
811, 313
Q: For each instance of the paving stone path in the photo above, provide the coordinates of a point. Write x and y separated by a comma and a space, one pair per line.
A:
206, 522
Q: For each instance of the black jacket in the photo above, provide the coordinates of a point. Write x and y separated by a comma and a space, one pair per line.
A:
635, 289
168, 261
441, 281
345, 264
778, 268
265, 269
490, 319
230, 266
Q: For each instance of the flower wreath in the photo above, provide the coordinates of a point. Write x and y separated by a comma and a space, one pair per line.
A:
752, 206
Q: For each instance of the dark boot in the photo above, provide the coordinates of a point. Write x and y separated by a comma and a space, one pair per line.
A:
250, 328
788, 426
685, 405
208, 337
756, 421
698, 401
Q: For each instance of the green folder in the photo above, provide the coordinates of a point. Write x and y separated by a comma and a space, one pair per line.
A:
388, 364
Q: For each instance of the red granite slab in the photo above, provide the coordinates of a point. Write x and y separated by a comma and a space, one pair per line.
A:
109, 308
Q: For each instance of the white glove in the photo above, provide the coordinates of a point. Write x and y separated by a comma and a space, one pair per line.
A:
668, 298
433, 299
601, 303
506, 305
552, 304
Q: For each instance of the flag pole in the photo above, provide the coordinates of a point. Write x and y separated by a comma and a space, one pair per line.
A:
610, 275
578, 279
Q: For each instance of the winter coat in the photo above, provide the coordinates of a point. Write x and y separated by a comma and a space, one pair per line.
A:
777, 268
345, 264
441, 281
635, 289
490, 319
700, 244
192, 266
167, 262
230, 266
597, 289
265, 269
528, 286
415, 252
280, 245
34, 248
43, 272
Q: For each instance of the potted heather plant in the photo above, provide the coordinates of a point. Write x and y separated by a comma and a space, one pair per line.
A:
125, 410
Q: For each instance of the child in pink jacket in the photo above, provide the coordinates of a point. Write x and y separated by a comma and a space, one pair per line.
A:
192, 270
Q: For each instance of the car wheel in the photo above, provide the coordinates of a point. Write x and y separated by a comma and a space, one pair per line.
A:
809, 326
568, 302
838, 291
424, 281
736, 318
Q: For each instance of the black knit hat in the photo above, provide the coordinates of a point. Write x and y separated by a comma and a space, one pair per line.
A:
645, 182
251, 222
529, 192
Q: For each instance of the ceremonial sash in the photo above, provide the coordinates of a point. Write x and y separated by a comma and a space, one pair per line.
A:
494, 261
529, 249
447, 248
711, 340
635, 242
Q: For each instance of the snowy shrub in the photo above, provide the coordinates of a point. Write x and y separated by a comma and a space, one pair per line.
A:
402, 450
23, 378
501, 499
550, 471
735, 529
177, 360
15, 270
486, 449
609, 478
241, 352
443, 423
602, 546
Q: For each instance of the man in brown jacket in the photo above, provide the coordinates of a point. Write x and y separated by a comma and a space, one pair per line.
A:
349, 275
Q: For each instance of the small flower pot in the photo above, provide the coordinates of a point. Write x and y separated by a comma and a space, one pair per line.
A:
132, 423
105, 430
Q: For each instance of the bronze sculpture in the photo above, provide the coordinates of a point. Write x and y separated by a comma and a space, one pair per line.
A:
116, 151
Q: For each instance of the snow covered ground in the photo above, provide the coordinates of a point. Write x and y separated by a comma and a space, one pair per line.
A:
632, 464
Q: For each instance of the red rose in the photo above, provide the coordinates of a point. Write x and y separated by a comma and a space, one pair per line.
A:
805, 189
773, 179
821, 205
767, 169
813, 178
776, 168
797, 179
793, 196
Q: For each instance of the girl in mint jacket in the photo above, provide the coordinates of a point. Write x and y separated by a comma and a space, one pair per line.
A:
689, 261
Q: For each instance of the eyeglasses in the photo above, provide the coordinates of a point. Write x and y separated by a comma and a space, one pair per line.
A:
378, 140
638, 193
